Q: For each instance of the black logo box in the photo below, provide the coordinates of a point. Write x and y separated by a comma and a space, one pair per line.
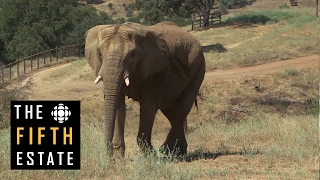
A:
47, 145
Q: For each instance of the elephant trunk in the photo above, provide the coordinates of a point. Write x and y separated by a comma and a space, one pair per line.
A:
112, 76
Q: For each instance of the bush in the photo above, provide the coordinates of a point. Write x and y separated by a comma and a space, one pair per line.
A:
231, 4
124, 5
17, 92
223, 9
180, 21
110, 6
249, 19
133, 19
114, 12
129, 13
284, 6
120, 21
262, 17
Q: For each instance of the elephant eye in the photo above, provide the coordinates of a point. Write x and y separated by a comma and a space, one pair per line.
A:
99, 53
130, 36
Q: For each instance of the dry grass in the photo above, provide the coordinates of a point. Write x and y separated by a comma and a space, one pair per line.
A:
286, 147
233, 46
261, 145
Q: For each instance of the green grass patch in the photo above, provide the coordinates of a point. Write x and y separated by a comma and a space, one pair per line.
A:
289, 73
272, 16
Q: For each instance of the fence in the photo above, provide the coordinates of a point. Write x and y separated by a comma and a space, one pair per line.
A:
36, 61
198, 23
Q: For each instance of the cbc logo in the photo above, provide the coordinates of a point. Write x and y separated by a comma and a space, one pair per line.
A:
61, 113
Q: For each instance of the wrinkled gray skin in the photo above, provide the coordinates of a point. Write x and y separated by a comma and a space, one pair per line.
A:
165, 67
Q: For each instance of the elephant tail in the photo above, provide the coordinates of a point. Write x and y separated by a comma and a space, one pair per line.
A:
200, 94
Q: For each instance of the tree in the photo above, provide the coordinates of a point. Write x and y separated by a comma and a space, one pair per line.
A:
30, 26
188, 7
84, 19
154, 11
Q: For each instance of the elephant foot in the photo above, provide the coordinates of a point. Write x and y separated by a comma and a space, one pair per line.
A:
147, 148
177, 148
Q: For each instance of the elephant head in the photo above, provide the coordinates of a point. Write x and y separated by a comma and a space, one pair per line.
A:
120, 54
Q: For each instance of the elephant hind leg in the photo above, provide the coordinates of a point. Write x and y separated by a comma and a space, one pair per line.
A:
176, 142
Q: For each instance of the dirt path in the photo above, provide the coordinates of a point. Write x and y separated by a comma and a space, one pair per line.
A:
67, 88
296, 63
269, 68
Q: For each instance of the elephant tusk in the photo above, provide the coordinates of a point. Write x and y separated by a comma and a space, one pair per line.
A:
98, 79
126, 80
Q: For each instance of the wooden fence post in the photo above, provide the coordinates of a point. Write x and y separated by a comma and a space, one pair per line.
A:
62, 52
38, 60
192, 22
2, 76
68, 47
24, 66
50, 56
31, 63
44, 59
18, 74
73, 50
57, 55
79, 50
10, 71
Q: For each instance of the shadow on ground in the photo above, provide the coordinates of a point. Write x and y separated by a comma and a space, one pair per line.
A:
217, 47
240, 21
200, 154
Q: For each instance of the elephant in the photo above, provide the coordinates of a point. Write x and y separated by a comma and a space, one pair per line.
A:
161, 66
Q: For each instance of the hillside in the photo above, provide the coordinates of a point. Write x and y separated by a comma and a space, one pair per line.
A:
256, 6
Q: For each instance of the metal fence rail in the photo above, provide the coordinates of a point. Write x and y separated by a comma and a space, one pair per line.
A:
36, 61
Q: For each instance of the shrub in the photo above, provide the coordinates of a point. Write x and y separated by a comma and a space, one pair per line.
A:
129, 12
133, 19
110, 6
284, 6
180, 21
120, 21
114, 12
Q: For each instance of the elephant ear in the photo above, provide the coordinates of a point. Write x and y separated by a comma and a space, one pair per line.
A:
154, 52
92, 53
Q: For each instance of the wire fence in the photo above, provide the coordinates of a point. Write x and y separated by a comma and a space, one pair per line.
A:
36, 61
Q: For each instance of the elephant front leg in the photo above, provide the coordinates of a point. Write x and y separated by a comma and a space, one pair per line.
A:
147, 115
118, 141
